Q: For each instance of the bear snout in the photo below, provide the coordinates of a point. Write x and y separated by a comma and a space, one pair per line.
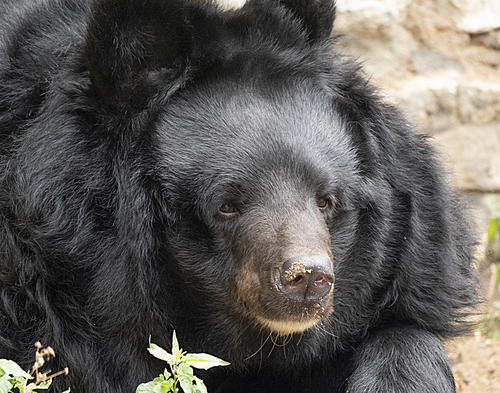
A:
305, 278
286, 274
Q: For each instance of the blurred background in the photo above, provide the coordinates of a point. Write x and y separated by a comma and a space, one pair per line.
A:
439, 60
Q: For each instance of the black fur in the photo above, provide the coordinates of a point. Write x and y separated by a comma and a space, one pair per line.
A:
125, 125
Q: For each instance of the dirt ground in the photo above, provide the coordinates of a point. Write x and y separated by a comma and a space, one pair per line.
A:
476, 364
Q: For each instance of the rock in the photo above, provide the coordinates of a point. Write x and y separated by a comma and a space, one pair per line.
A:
490, 39
369, 17
445, 100
373, 32
425, 60
431, 101
476, 16
472, 154
479, 102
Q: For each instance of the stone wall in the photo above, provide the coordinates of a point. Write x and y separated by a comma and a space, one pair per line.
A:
440, 61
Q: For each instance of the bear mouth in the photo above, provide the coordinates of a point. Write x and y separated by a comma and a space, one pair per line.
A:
286, 317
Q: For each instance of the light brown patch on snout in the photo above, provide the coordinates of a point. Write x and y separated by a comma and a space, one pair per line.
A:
230, 4
297, 269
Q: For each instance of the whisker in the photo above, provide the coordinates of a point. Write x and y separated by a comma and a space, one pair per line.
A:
300, 339
258, 350
274, 344
322, 327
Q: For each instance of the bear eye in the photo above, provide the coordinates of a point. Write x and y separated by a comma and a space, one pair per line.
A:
228, 210
325, 203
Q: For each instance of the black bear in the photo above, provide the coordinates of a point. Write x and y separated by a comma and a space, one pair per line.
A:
225, 173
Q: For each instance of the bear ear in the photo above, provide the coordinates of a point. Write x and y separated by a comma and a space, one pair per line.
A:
318, 15
134, 47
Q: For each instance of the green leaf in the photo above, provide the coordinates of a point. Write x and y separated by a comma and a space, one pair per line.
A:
186, 370
166, 374
496, 304
178, 356
186, 383
186, 376
12, 368
67, 391
200, 385
493, 226
160, 353
5, 384
149, 387
158, 385
175, 344
165, 387
19, 382
146, 387
42, 386
203, 361
160, 378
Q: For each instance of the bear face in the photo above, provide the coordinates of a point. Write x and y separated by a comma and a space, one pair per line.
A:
267, 194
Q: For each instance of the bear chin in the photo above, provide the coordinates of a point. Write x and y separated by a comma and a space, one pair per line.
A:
285, 328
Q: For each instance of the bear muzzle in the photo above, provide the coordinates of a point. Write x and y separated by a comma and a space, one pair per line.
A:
299, 295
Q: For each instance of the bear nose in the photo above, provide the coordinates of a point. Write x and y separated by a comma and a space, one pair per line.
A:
305, 278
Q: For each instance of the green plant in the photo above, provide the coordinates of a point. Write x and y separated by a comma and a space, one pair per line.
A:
494, 233
494, 222
181, 370
14, 379
491, 320
490, 324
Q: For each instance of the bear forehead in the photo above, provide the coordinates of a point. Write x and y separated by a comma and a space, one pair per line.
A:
237, 122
